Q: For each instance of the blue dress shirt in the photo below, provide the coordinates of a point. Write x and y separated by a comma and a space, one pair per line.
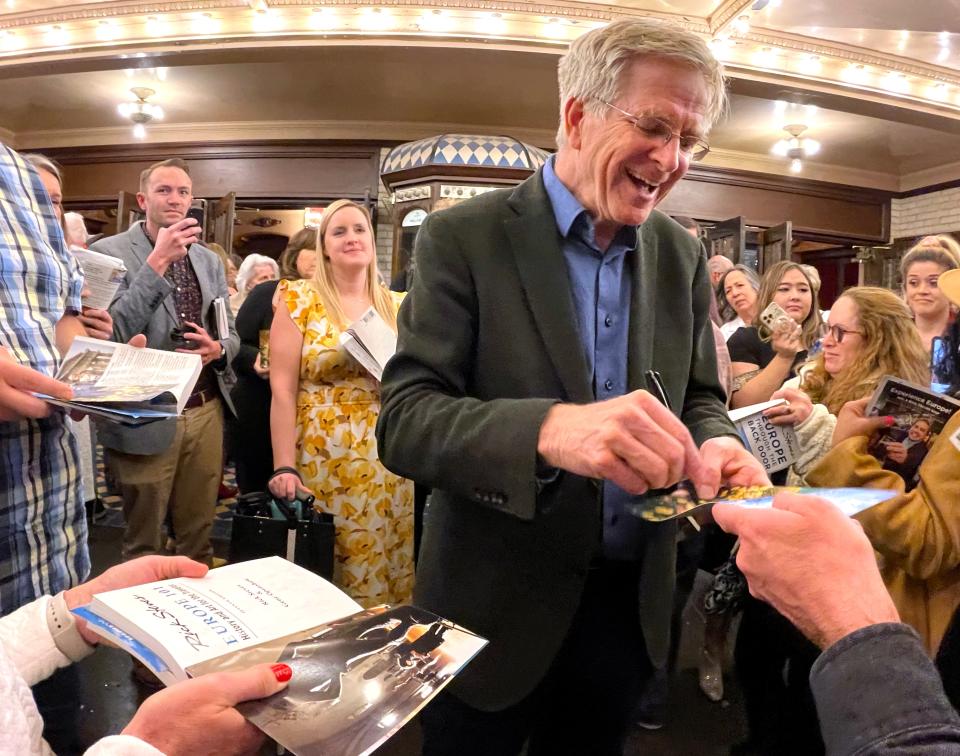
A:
600, 287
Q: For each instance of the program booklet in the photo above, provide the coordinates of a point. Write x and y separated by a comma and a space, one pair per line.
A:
919, 416
102, 276
125, 384
370, 341
775, 446
358, 674
683, 501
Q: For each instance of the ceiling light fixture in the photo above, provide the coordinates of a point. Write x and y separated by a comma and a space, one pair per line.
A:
795, 148
57, 36
140, 111
742, 24
107, 30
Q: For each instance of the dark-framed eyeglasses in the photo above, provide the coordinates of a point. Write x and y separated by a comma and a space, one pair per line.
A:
657, 130
838, 332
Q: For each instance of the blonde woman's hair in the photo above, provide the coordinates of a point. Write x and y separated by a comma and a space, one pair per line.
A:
891, 346
323, 279
592, 68
812, 325
942, 250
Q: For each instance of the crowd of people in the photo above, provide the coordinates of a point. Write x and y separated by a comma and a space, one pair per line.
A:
564, 348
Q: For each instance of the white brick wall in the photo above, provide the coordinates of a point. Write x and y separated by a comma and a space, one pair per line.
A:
932, 213
384, 225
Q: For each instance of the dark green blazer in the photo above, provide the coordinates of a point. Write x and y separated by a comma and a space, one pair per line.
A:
488, 342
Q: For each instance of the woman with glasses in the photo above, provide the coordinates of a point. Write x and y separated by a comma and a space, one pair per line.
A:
871, 335
763, 358
920, 269
917, 534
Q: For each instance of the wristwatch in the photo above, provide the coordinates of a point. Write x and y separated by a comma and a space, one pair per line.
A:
63, 628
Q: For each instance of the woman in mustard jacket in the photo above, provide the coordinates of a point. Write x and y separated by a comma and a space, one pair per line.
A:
916, 534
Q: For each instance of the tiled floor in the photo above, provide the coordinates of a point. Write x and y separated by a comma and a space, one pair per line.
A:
694, 725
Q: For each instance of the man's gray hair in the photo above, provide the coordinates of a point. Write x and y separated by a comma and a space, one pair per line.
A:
43, 163
593, 66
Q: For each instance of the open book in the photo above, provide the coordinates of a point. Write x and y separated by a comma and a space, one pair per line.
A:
358, 675
370, 341
683, 501
102, 276
125, 384
919, 416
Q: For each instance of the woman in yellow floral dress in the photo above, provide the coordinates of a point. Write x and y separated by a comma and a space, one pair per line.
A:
325, 408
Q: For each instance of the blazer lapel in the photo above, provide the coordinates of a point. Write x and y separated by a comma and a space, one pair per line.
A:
643, 293
142, 248
543, 274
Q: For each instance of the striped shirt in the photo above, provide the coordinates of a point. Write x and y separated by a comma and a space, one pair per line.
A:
43, 530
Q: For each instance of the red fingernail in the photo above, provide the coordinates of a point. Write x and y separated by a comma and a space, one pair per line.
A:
282, 672
889, 420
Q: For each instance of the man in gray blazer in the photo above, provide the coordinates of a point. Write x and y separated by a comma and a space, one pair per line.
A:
517, 394
173, 466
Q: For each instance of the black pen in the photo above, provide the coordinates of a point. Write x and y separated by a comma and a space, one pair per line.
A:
655, 382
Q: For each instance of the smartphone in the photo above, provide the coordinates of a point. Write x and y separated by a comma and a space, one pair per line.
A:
941, 366
775, 318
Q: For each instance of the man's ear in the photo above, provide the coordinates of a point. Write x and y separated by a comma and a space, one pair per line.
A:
142, 200
573, 115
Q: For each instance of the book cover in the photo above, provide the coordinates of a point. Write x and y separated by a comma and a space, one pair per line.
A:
775, 446
919, 416
684, 500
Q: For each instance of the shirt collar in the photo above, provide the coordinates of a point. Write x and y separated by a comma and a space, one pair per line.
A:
573, 218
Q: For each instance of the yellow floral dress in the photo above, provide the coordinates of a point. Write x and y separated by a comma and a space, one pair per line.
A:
337, 407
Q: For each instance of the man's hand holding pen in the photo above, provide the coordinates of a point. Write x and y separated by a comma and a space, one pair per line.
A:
636, 442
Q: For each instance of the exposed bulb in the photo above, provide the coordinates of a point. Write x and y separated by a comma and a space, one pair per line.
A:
139, 131
796, 165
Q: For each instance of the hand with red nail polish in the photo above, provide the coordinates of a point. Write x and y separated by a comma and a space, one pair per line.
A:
852, 421
199, 716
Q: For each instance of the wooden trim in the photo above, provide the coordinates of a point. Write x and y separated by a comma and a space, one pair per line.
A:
808, 187
928, 189
458, 173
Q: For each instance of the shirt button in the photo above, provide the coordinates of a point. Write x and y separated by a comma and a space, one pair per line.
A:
608, 385
608, 321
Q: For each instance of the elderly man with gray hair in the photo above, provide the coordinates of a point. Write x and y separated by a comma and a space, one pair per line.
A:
538, 317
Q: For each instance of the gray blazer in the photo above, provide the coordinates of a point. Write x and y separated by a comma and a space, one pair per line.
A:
143, 304
488, 343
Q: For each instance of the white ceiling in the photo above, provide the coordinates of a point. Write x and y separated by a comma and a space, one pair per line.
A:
391, 88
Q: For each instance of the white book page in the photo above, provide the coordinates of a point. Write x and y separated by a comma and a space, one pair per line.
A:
106, 371
361, 355
231, 608
376, 336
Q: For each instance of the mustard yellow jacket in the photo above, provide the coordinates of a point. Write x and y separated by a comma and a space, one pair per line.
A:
917, 534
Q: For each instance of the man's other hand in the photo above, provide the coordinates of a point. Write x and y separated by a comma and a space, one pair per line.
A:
207, 347
17, 384
726, 462
97, 323
811, 563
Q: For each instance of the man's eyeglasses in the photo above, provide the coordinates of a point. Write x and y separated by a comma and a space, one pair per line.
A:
659, 131
838, 332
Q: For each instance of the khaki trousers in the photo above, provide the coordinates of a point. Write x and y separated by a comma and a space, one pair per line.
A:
183, 480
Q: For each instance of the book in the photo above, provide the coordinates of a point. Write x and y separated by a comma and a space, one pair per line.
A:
125, 384
683, 501
102, 276
775, 446
358, 674
370, 341
919, 416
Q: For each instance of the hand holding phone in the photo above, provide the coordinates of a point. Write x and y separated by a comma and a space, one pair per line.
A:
776, 319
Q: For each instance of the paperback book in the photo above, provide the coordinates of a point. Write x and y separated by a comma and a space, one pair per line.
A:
919, 416
358, 674
775, 446
370, 341
125, 384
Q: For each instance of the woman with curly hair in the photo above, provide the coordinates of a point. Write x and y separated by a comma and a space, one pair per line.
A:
871, 334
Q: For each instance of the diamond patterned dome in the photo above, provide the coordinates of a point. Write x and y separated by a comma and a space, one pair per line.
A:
464, 150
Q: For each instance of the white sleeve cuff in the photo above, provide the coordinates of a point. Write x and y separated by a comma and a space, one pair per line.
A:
122, 745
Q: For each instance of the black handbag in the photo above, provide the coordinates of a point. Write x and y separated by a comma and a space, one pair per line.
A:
264, 526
